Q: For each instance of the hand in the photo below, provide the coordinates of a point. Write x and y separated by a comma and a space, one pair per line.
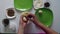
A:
22, 22
33, 18
22, 25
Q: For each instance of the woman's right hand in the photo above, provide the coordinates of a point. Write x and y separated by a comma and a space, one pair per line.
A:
32, 17
40, 25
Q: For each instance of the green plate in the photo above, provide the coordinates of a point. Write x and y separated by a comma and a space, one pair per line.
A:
23, 5
45, 17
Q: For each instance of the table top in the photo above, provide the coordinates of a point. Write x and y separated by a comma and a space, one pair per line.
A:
55, 7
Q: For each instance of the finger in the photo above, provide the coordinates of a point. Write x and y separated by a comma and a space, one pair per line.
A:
31, 15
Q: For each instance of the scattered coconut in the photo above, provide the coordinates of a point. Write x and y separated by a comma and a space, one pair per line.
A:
40, 11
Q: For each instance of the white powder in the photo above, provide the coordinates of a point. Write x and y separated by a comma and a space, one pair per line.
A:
38, 4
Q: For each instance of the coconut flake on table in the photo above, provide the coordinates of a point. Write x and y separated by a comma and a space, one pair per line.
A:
38, 4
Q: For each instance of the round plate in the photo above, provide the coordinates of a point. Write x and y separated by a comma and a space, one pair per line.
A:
23, 5
38, 3
45, 16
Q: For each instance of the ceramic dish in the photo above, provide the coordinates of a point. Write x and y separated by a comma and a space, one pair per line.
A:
38, 4
45, 16
23, 5
10, 17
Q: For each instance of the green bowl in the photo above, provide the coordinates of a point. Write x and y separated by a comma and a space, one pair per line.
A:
45, 17
23, 5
